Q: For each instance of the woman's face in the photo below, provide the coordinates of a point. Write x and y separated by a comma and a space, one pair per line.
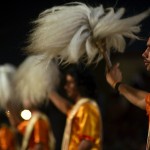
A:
71, 87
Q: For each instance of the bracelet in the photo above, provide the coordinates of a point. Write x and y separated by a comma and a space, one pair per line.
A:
117, 86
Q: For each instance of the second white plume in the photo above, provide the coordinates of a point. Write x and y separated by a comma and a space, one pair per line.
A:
34, 80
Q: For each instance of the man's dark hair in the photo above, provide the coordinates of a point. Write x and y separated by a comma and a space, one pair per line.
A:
84, 79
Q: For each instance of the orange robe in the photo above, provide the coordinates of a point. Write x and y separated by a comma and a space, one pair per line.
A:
147, 100
40, 133
7, 138
86, 124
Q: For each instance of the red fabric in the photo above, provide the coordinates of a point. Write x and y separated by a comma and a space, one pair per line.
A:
88, 138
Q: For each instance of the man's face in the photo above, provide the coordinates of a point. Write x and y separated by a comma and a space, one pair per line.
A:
71, 88
146, 55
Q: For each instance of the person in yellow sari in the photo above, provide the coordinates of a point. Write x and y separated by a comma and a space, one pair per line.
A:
83, 129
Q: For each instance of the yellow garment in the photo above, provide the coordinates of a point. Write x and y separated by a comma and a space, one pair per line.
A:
86, 124
7, 138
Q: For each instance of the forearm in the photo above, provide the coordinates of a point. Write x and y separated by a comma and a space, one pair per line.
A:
133, 95
61, 103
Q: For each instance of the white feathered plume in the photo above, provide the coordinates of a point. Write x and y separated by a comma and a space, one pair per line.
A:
7, 72
72, 31
33, 80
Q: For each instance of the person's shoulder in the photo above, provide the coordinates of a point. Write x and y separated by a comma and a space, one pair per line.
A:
90, 105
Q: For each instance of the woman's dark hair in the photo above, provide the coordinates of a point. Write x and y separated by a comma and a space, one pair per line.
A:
84, 79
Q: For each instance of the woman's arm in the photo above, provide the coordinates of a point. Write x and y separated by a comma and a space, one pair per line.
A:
61, 103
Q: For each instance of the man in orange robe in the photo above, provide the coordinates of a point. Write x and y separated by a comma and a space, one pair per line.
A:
137, 97
36, 133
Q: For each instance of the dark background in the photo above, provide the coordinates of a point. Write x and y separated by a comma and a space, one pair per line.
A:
125, 126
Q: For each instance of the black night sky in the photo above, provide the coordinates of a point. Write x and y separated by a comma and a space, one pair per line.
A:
17, 15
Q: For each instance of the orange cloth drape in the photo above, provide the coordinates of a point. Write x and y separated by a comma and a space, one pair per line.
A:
147, 100
7, 138
40, 133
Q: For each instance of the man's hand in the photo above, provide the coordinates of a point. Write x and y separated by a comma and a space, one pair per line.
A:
114, 75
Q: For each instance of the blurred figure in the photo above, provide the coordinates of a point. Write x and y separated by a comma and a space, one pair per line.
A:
84, 123
32, 127
137, 97
8, 140
32, 83
13, 112
36, 132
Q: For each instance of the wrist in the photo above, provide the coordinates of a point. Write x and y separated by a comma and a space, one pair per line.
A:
113, 85
116, 86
